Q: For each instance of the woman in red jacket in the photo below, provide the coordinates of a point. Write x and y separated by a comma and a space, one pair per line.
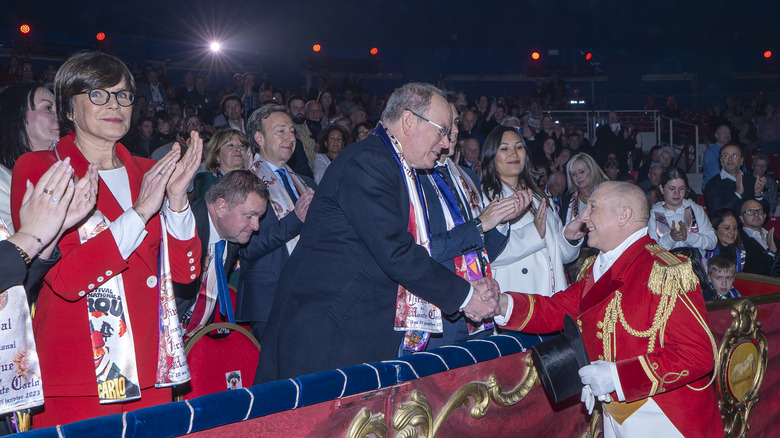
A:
99, 313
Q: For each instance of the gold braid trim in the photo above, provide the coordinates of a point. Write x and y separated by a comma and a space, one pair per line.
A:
531, 302
670, 280
650, 375
586, 264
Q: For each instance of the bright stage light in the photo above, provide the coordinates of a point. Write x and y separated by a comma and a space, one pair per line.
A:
215, 46
25, 29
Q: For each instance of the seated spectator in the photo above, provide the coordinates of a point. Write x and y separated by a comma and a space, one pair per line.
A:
233, 111
720, 273
228, 150
562, 160
361, 131
330, 111
653, 177
677, 222
556, 190
760, 244
28, 122
143, 137
769, 130
164, 131
710, 160
732, 187
331, 142
471, 152
760, 167
614, 171
644, 169
583, 176
727, 230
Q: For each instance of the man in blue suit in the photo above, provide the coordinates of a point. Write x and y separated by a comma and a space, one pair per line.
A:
270, 130
337, 301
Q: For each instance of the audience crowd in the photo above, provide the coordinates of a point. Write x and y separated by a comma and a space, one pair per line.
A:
252, 130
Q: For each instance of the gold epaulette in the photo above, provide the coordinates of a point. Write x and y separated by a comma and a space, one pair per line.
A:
670, 275
586, 264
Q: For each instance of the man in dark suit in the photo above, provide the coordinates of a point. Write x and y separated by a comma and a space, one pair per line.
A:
337, 298
271, 131
732, 187
760, 244
230, 211
613, 138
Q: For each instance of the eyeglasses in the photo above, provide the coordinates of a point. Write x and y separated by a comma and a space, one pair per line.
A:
733, 156
193, 123
444, 132
754, 212
99, 96
234, 146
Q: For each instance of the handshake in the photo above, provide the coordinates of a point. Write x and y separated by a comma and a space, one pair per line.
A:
485, 300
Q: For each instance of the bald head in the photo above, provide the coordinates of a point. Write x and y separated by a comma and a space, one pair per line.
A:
616, 210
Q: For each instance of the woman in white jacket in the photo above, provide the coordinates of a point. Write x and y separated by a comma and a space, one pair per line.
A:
677, 222
533, 258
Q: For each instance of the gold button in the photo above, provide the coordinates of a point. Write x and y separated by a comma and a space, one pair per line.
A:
579, 323
601, 357
599, 335
600, 325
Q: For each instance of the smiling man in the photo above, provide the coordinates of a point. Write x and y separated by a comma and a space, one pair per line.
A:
353, 286
225, 219
641, 313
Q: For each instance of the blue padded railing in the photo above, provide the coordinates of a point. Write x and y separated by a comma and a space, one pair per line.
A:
219, 409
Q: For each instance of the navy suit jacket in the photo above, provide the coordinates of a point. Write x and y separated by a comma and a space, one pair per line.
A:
336, 299
262, 260
186, 294
721, 193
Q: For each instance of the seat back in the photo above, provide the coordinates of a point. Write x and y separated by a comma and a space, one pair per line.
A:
221, 356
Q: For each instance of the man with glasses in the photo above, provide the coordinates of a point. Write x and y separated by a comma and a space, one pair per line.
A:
351, 290
760, 244
732, 187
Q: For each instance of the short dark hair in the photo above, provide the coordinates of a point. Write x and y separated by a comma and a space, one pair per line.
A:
721, 262
85, 71
228, 97
255, 122
235, 186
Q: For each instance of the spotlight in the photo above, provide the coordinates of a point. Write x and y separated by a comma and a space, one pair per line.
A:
374, 51
100, 36
316, 47
767, 54
535, 56
25, 29
215, 46
588, 56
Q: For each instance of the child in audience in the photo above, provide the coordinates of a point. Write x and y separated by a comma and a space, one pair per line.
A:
720, 272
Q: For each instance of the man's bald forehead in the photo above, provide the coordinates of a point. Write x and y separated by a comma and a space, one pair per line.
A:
750, 204
623, 194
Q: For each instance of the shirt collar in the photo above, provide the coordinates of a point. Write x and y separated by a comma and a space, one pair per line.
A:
726, 175
605, 260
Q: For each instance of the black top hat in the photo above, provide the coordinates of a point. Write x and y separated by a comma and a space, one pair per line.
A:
559, 359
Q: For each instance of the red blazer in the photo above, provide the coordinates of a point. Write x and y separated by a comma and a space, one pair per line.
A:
60, 324
686, 356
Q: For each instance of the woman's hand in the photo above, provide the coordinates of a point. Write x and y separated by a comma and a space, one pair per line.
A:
84, 198
183, 173
44, 208
679, 232
153, 185
540, 220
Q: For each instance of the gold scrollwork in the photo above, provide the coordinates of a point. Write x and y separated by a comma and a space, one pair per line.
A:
418, 411
364, 424
742, 362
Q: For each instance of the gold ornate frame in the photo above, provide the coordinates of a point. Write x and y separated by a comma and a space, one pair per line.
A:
741, 366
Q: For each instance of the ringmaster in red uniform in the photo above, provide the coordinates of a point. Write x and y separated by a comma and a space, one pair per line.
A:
641, 313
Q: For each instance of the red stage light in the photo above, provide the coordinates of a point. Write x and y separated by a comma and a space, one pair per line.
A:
25, 29
535, 56
374, 51
588, 56
768, 54
316, 47
100, 36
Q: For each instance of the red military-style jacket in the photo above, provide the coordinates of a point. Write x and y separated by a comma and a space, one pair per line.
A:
646, 314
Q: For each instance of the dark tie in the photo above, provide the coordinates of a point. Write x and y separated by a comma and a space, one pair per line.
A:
445, 174
223, 293
284, 177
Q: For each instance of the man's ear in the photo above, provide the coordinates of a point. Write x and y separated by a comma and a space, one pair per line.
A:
221, 207
407, 120
625, 214
259, 139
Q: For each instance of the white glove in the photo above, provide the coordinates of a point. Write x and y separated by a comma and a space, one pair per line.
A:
588, 399
598, 375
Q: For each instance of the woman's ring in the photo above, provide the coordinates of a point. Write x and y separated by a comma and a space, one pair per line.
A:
161, 173
48, 191
86, 196
54, 199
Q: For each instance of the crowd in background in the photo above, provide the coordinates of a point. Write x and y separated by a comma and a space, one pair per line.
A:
724, 221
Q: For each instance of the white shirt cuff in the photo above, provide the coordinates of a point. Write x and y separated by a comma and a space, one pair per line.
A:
181, 226
468, 297
128, 231
502, 320
503, 228
616, 380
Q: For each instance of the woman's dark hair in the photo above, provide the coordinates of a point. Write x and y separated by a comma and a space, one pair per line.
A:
719, 216
322, 139
15, 102
671, 173
355, 130
331, 110
85, 71
491, 182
